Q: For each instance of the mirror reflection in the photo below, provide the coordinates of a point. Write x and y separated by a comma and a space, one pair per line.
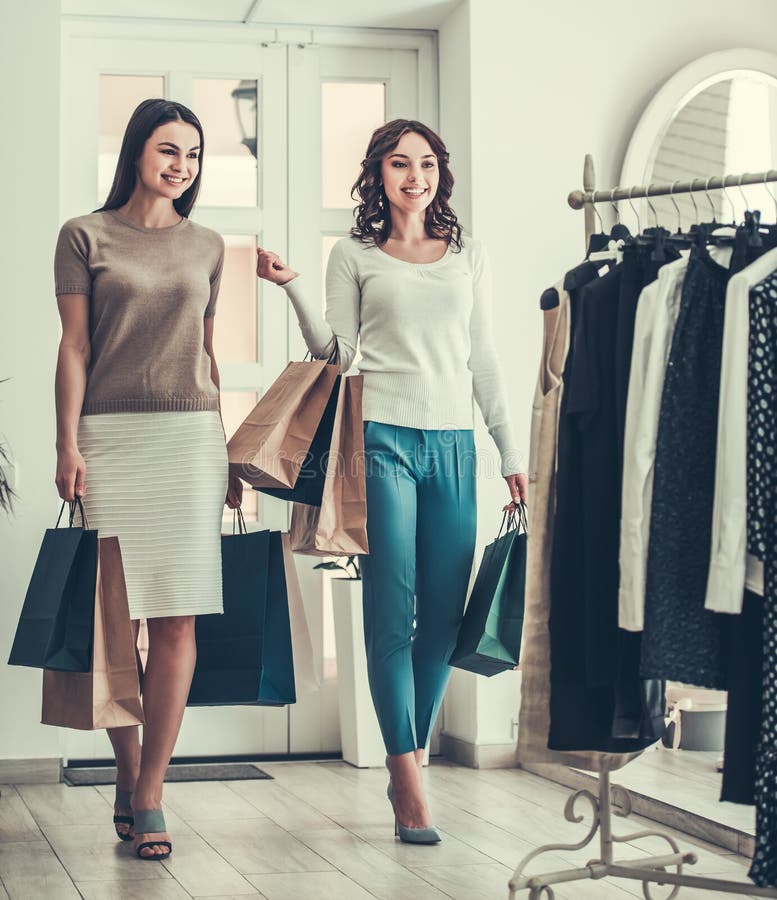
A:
727, 126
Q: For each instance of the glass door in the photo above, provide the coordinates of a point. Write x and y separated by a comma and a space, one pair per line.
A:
238, 92
285, 121
337, 97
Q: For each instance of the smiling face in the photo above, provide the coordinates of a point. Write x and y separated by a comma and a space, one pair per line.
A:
410, 174
170, 163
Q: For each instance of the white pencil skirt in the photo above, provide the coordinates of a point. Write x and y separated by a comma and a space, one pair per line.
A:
158, 481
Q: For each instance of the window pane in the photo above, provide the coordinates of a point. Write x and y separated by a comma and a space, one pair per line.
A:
227, 109
119, 95
350, 112
235, 337
235, 406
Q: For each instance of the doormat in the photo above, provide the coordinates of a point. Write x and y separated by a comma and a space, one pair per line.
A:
82, 777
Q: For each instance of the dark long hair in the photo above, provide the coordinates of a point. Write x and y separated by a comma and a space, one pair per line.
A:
148, 116
373, 214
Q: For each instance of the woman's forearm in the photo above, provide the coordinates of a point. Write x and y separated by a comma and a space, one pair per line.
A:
69, 390
316, 331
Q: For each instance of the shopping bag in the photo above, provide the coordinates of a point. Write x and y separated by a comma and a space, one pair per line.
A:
229, 646
309, 487
489, 638
270, 446
339, 526
244, 657
306, 678
278, 663
108, 696
57, 620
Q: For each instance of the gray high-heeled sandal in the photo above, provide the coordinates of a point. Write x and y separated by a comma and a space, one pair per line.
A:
151, 821
123, 798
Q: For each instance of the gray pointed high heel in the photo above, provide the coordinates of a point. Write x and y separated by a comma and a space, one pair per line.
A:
429, 835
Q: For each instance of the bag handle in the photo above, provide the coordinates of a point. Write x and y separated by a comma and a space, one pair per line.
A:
515, 518
507, 517
238, 521
333, 356
73, 504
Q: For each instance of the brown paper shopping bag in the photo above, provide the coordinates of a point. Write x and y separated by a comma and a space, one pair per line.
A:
269, 448
108, 696
339, 527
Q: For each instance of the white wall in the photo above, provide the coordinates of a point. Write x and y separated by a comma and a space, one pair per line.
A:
548, 84
29, 188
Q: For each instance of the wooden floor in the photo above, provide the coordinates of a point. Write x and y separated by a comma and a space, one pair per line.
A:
319, 830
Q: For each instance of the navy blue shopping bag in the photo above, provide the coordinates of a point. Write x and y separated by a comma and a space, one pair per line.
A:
489, 638
56, 625
244, 657
309, 487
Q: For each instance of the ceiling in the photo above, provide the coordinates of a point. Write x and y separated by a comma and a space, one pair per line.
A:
351, 13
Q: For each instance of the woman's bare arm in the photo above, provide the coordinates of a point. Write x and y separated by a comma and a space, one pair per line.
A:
235, 489
69, 389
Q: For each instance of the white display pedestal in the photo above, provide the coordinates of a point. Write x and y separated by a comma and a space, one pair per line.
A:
360, 736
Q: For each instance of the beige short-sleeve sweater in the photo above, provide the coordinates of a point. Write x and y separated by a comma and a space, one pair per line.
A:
149, 291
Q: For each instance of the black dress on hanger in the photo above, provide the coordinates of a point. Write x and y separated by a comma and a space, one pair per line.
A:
682, 641
584, 568
639, 703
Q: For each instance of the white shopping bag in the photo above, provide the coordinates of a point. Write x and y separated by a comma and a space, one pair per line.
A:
306, 678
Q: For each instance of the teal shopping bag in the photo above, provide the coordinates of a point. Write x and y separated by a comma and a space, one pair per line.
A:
489, 638
56, 625
244, 656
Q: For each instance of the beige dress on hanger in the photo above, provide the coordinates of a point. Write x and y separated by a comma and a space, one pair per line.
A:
534, 715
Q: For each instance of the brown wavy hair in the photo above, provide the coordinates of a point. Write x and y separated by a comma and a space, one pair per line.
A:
373, 214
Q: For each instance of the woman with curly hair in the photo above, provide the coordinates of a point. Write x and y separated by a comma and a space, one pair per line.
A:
416, 297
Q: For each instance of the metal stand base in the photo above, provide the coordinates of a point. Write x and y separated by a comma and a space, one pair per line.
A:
647, 869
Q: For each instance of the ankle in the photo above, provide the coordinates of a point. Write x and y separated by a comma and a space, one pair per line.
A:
146, 797
127, 771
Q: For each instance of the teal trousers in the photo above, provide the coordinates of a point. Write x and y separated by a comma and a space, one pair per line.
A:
421, 524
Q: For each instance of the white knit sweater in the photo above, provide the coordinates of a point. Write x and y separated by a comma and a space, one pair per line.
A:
425, 335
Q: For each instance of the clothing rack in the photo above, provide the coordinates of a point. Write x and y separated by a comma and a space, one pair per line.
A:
613, 799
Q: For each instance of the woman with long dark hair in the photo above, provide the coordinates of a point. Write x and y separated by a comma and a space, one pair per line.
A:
139, 433
416, 296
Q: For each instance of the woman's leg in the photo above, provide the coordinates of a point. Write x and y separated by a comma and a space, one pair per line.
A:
166, 683
388, 585
126, 749
445, 546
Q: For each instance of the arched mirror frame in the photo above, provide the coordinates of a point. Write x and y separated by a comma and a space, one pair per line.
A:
675, 94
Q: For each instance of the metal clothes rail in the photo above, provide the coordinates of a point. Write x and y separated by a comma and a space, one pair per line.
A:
589, 197
613, 799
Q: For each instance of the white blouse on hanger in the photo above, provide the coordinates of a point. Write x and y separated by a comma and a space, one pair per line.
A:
732, 568
657, 309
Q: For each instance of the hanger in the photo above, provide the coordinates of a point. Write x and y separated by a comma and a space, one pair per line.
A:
597, 242
655, 237
731, 202
676, 207
769, 192
636, 214
618, 232
752, 221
